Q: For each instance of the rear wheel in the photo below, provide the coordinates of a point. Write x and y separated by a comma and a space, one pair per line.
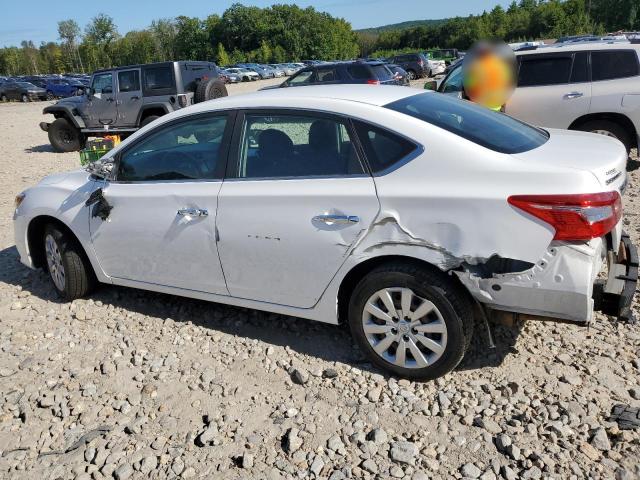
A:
64, 137
411, 74
148, 120
50, 96
24, 97
411, 321
3, 98
68, 268
608, 128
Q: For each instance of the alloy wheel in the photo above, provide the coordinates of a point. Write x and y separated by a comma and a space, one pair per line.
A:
54, 262
606, 133
403, 328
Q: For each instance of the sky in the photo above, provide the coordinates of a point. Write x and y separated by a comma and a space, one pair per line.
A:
40, 21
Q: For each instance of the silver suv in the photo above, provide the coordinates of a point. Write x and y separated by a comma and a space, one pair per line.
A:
589, 87
122, 100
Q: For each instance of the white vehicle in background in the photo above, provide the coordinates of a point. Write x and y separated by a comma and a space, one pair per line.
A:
593, 87
408, 215
244, 74
288, 68
436, 67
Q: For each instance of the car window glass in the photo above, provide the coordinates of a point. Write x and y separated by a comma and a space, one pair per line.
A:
157, 78
382, 148
302, 78
544, 71
358, 72
188, 150
381, 72
102, 82
129, 81
296, 146
477, 124
326, 75
580, 70
454, 82
607, 65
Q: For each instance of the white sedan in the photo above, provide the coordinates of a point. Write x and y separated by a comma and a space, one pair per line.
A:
406, 214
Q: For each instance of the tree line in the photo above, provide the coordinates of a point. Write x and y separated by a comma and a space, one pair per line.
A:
283, 33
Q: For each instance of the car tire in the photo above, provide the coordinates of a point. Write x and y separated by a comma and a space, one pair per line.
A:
147, 120
610, 129
64, 137
411, 74
3, 98
50, 96
432, 349
68, 267
209, 90
24, 98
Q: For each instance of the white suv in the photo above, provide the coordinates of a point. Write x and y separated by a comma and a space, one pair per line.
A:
589, 87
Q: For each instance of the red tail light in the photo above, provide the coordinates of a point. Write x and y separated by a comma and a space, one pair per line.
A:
421, 63
373, 82
574, 217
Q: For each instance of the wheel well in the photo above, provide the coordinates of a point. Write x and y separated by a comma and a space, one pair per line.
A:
151, 111
35, 233
618, 118
358, 272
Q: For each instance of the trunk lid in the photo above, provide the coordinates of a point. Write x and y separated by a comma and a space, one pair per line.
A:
603, 156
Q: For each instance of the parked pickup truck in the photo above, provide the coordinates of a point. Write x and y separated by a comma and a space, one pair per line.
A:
122, 100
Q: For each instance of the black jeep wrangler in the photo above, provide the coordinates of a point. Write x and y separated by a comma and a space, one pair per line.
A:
121, 100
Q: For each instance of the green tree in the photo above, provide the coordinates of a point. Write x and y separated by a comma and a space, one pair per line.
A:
222, 57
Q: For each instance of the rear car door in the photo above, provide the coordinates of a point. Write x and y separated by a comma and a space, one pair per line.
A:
553, 89
296, 197
161, 228
616, 81
129, 98
101, 108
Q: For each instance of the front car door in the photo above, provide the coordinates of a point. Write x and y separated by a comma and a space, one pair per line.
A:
129, 98
102, 109
295, 199
161, 228
553, 89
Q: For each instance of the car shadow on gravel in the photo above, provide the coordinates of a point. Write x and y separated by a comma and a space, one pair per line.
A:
46, 148
328, 342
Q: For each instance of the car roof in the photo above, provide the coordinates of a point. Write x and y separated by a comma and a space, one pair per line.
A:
576, 47
378, 95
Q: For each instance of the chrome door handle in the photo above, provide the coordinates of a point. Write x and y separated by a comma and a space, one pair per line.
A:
193, 212
336, 219
572, 95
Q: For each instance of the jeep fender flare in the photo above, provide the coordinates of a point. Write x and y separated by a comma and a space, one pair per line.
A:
165, 107
67, 112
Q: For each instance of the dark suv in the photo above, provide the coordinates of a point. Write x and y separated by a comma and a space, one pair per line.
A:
373, 73
121, 100
415, 64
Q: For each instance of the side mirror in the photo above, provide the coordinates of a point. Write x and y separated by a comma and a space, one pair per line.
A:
431, 85
88, 91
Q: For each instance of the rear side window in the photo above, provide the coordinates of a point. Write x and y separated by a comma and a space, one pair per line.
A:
326, 75
381, 72
480, 125
358, 72
129, 81
535, 71
158, 80
607, 64
383, 149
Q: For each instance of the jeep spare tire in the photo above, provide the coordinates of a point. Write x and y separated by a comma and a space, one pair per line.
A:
64, 137
210, 89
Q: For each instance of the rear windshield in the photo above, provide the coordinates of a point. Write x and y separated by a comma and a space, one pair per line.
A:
480, 125
381, 72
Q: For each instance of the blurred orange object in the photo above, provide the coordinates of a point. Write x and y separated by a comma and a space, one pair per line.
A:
489, 75
114, 138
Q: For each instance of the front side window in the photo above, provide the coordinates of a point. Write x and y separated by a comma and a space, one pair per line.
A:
580, 70
537, 70
102, 83
608, 65
277, 145
454, 82
477, 124
188, 150
302, 78
129, 81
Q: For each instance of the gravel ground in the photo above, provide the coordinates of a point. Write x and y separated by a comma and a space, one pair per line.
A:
131, 384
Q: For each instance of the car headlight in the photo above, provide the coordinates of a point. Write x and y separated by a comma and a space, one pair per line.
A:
20, 198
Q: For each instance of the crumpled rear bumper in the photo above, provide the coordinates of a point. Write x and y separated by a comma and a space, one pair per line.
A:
615, 295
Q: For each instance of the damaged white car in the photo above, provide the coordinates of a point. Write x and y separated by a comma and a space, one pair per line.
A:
406, 214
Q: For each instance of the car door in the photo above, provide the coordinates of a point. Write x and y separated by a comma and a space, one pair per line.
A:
295, 199
102, 108
616, 82
553, 89
161, 227
129, 96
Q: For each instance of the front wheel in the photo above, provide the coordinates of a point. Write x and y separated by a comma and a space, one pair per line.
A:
3, 98
64, 137
50, 96
411, 74
410, 320
24, 97
70, 272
